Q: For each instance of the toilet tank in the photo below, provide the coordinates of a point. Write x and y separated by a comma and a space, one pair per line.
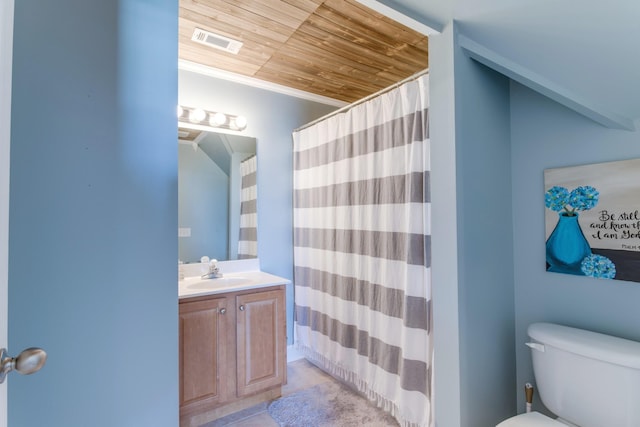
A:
587, 378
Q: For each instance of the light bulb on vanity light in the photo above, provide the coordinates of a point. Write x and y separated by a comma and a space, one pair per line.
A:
241, 122
197, 115
218, 119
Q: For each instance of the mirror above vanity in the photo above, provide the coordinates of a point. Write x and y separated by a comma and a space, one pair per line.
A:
217, 195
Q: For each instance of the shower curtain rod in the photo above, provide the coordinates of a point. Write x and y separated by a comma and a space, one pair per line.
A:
365, 99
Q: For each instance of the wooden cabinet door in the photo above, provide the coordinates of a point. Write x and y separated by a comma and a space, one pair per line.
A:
261, 341
203, 364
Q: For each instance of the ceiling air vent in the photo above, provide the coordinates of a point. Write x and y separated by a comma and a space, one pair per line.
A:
216, 40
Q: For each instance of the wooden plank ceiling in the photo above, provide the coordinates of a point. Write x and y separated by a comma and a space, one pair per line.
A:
335, 48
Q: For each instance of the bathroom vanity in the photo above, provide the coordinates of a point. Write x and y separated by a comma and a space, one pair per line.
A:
232, 344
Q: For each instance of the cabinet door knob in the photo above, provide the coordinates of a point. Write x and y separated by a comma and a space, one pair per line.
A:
223, 310
241, 308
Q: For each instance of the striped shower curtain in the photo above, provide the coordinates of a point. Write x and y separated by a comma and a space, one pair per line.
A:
248, 240
362, 249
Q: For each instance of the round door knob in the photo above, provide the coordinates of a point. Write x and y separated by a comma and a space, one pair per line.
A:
241, 308
223, 310
30, 360
27, 362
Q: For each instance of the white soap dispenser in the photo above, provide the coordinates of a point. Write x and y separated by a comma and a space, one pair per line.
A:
204, 265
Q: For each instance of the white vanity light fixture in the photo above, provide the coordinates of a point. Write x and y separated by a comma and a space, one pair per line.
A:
203, 119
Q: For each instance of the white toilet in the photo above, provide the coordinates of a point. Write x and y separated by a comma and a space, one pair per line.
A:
585, 378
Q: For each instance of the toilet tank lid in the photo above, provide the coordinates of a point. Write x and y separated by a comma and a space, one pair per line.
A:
594, 345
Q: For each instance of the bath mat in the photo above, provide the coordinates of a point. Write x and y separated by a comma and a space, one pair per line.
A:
328, 404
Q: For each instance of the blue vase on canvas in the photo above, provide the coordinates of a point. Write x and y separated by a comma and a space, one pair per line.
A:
567, 246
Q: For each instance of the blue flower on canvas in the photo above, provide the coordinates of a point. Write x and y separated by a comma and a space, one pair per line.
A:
556, 198
584, 198
579, 199
598, 266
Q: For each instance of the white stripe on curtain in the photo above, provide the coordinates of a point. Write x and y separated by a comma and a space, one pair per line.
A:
248, 239
362, 249
387, 163
361, 217
392, 273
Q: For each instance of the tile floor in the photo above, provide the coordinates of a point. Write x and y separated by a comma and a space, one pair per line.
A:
301, 374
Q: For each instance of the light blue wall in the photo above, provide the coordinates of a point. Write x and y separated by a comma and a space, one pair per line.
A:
547, 135
271, 118
93, 213
444, 262
485, 254
472, 239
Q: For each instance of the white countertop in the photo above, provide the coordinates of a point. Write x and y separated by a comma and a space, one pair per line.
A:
230, 282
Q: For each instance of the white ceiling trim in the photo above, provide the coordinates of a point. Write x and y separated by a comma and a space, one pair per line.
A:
253, 82
400, 17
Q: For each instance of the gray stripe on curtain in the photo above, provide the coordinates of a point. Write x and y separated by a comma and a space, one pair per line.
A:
394, 133
415, 249
414, 374
410, 188
249, 233
249, 206
414, 311
249, 180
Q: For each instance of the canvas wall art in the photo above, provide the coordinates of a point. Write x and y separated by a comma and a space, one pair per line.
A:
592, 220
